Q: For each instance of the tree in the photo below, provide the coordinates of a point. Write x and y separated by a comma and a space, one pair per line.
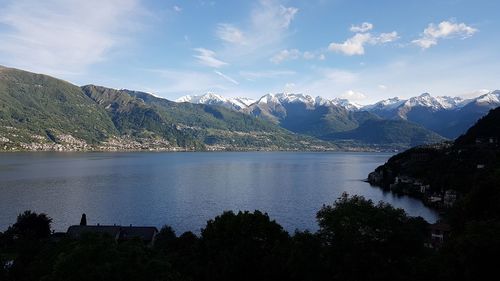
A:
3, 270
24, 240
364, 241
305, 260
243, 246
30, 225
100, 257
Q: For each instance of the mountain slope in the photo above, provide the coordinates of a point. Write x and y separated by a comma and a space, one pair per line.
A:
305, 114
381, 132
214, 99
458, 166
194, 124
38, 112
445, 115
329, 119
132, 117
448, 116
35, 107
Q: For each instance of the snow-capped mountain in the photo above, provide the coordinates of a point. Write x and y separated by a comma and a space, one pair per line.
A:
308, 100
424, 100
491, 99
349, 105
286, 98
451, 102
448, 116
215, 99
386, 104
278, 98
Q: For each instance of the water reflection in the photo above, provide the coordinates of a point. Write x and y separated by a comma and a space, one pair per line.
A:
185, 189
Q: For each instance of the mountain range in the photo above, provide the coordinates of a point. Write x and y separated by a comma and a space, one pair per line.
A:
448, 117
39, 112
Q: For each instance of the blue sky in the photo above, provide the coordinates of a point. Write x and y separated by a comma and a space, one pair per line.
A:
361, 50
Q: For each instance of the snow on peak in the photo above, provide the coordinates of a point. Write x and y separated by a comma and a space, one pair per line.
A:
424, 100
287, 98
208, 98
492, 98
186, 98
320, 101
448, 102
346, 104
243, 101
215, 99
269, 98
390, 103
211, 98
294, 98
281, 98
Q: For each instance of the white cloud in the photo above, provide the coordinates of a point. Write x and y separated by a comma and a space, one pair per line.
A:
444, 30
386, 37
270, 15
226, 77
229, 33
288, 13
308, 55
326, 82
283, 55
425, 43
382, 87
352, 46
356, 44
251, 75
207, 57
353, 95
60, 37
177, 9
339, 76
273, 14
289, 88
262, 36
364, 27
173, 83
181, 82
293, 54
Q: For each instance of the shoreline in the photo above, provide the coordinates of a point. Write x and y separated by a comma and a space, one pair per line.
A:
439, 210
195, 151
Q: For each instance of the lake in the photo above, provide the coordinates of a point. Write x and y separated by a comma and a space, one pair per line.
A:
184, 190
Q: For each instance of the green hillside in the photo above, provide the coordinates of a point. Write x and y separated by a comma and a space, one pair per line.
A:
39, 112
35, 107
144, 115
396, 132
460, 166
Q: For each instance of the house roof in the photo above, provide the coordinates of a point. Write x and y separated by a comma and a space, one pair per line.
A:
76, 231
145, 233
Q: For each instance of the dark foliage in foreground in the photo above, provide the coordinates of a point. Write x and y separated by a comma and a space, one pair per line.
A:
356, 240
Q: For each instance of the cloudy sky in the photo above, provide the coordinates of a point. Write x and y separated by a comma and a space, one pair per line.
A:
361, 50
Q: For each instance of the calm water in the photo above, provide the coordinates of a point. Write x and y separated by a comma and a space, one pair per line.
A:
184, 190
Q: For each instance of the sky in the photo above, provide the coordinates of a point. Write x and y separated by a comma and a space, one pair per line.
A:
364, 51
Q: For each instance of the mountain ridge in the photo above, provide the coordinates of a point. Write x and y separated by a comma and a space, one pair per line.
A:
39, 112
50, 114
445, 115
